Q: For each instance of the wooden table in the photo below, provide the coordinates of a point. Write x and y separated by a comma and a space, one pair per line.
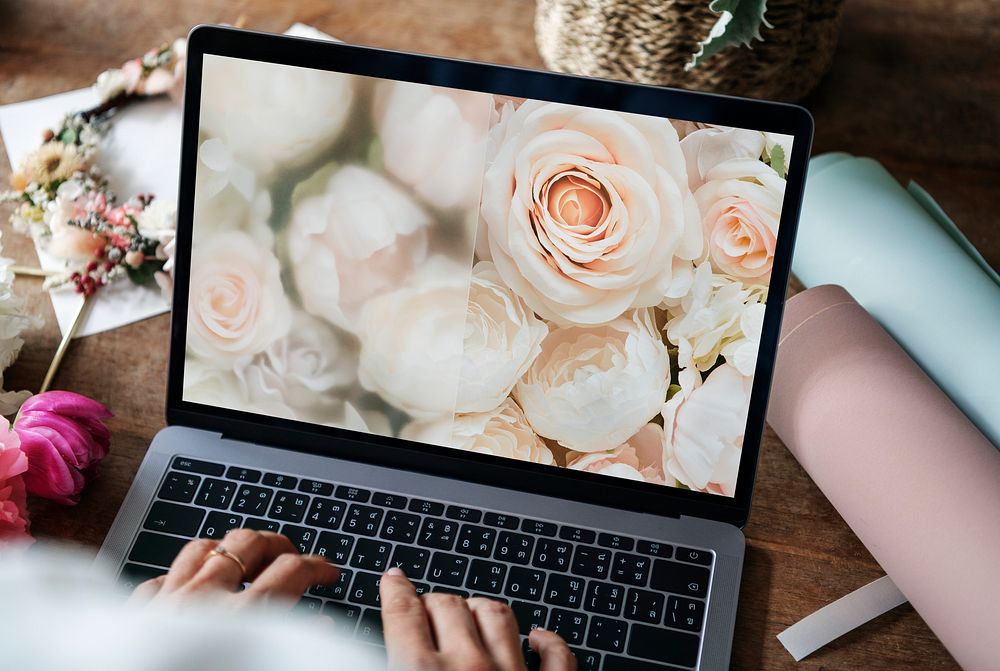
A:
914, 85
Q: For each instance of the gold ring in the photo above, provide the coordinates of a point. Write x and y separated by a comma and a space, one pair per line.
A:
220, 551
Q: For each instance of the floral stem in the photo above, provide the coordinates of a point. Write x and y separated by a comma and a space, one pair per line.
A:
64, 345
34, 272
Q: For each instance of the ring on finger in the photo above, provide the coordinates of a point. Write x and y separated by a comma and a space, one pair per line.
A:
220, 551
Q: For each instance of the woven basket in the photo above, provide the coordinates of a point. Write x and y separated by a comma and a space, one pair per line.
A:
649, 41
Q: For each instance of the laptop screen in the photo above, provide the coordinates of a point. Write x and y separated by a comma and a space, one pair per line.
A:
570, 286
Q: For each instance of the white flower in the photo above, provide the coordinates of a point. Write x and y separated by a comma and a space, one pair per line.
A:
358, 237
434, 140
711, 317
639, 458
704, 425
707, 147
411, 342
13, 321
742, 353
501, 432
296, 376
273, 115
110, 83
502, 338
212, 385
592, 388
158, 221
227, 196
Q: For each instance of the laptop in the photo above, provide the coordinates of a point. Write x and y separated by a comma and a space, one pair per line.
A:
510, 331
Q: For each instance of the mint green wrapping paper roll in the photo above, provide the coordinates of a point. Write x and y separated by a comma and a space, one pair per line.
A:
897, 253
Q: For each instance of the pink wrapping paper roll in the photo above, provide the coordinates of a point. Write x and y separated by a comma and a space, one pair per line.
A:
911, 475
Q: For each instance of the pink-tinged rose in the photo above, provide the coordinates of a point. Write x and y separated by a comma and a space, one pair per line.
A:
64, 437
585, 210
741, 206
159, 80
704, 424
639, 458
13, 511
707, 147
132, 71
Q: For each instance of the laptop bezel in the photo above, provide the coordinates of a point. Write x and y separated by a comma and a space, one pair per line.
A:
516, 82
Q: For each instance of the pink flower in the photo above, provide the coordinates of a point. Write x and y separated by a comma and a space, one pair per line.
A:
64, 437
638, 458
13, 463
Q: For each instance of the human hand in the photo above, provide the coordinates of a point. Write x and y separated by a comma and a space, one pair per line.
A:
268, 561
444, 632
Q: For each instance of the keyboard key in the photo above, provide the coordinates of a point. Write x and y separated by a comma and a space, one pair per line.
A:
463, 514
345, 616
370, 627
218, 523
604, 598
280, 481
243, 474
671, 576
316, 487
613, 663
630, 569
389, 500
252, 500
353, 494
529, 616
591, 561
448, 569
426, 507
564, 590
420, 587
525, 583
703, 557
486, 576
179, 487
335, 547
309, 605
412, 561
326, 513
215, 493
364, 589
261, 525
371, 555
577, 534
586, 660
514, 548
571, 625
552, 554
451, 590
684, 613
172, 518
615, 542
538, 527
531, 658
501, 520
400, 527
364, 520
655, 549
438, 533
337, 590
302, 537
133, 575
663, 645
607, 634
288, 507
156, 549
197, 466
476, 541
644, 606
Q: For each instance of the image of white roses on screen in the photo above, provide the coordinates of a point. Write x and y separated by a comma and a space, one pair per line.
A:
585, 210
502, 338
704, 423
592, 388
353, 235
639, 458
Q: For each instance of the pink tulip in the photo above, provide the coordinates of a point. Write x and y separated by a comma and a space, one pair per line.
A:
64, 436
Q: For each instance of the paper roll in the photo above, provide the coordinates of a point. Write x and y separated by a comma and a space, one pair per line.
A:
907, 470
906, 262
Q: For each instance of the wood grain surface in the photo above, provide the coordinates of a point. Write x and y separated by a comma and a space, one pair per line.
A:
916, 85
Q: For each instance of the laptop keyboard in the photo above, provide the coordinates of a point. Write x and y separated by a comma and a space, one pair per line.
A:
621, 603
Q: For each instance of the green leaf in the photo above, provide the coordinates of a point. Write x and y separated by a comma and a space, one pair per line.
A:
778, 160
739, 23
68, 136
144, 273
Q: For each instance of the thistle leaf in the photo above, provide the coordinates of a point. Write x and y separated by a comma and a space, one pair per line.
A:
739, 23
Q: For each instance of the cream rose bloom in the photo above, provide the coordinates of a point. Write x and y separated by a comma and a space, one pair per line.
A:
273, 115
705, 148
711, 317
740, 204
704, 424
237, 306
639, 458
586, 209
502, 338
501, 432
228, 195
67, 241
353, 235
434, 140
591, 388
211, 385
